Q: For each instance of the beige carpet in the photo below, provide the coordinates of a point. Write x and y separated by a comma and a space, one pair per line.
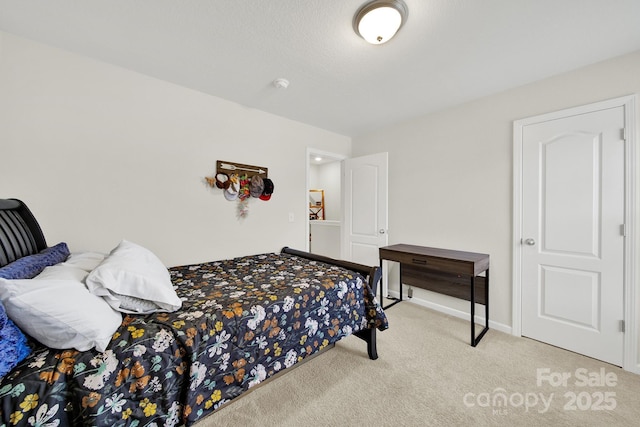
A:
428, 375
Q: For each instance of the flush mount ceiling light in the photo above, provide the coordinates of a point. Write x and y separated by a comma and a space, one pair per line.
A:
379, 20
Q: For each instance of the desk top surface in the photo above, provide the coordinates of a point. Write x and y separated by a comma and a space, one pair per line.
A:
436, 252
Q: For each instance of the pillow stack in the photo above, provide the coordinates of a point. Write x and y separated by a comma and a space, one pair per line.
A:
76, 301
57, 309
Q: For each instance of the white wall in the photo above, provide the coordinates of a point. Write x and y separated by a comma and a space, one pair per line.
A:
101, 153
450, 173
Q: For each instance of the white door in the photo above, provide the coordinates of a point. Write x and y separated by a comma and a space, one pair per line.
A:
572, 284
365, 187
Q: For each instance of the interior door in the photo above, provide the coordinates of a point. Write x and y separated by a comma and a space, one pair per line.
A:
365, 200
572, 292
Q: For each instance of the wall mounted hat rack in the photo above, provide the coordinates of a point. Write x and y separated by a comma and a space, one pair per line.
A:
241, 182
232, 167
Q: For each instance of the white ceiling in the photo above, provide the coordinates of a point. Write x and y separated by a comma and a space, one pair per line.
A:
447, 53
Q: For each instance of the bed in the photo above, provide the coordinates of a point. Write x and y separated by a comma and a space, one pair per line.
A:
237, 323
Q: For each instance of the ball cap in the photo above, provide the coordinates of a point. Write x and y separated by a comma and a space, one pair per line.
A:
257, 186
268, 189
231, 192
222, 181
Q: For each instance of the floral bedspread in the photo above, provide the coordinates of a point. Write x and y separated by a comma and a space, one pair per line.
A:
242, 321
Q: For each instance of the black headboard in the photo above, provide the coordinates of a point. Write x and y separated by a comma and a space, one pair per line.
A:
20, 234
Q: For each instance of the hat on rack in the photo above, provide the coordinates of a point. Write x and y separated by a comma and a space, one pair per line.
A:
222, 181
231, 193
268, 189
244, 192
257, 186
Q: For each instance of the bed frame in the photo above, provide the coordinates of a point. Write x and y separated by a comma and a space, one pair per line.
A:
21, 235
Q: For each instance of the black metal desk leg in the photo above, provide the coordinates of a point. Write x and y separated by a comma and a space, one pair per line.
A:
400, 299
380, 296
475, 340
486, 299
473, 311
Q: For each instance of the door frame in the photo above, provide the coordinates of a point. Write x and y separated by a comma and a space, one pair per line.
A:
630, 351
333, 155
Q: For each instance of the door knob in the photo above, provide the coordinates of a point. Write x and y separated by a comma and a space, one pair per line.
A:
530, 242
381, 231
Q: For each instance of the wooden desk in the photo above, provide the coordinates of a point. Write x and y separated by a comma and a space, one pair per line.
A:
445, 271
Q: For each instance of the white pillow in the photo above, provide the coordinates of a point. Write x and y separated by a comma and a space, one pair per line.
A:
62, 272
60, 314
76, 267
133, 280
84, 260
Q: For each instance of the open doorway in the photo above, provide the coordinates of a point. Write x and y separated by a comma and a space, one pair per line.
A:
324, 198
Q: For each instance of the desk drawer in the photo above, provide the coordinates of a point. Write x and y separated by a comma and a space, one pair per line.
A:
432, 263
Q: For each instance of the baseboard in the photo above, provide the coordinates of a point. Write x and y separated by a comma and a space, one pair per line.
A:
453, 312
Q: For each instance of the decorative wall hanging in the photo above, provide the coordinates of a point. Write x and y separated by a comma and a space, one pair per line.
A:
240, 182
